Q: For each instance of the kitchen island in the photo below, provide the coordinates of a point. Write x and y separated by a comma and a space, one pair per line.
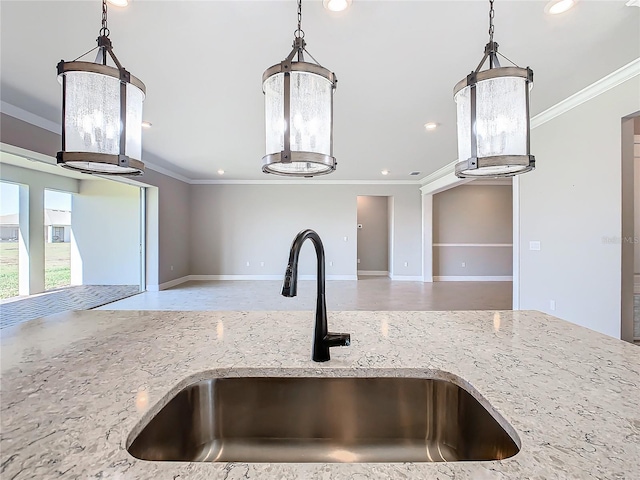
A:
75, 386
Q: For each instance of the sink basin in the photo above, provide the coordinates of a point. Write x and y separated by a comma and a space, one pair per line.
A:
299, 419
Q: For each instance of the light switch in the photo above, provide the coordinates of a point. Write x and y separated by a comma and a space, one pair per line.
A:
534, 245
346, 238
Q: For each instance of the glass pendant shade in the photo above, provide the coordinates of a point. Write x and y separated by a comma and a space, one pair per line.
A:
493, 123
102, 119
299, 119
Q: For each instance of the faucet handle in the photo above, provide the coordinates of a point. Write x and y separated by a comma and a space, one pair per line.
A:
337, 340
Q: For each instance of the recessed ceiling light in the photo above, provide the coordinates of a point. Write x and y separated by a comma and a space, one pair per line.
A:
385, 172
555, 7
119, 3
430, 125
220, 172
336, 5
146, 124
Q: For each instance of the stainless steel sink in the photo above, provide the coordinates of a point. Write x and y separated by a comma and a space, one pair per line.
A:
323, 420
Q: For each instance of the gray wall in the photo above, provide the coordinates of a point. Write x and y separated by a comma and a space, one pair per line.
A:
468, 221
570, 203
106, 228
235, 224
636, 197
172, 225
373, 237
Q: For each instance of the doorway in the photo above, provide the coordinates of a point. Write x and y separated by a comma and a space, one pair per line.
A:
629, 239
636, 229
373, 250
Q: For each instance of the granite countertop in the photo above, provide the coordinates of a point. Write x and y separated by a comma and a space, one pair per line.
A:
74, 387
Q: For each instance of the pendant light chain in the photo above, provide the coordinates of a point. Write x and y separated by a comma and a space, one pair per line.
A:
104, 31
299, 33
492, 14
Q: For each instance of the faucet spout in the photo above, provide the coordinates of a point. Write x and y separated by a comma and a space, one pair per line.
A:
322, 338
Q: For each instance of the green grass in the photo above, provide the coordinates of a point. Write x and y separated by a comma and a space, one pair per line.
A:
57, 271
8, 269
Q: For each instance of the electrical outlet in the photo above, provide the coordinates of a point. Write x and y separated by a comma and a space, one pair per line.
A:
346, 239
248, 264
331, 264
262, 264
534, 245
464, 264
406, 264
172, 268
552, 304
358, 260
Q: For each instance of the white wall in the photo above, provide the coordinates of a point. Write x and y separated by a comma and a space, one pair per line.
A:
473, 224
105, 221
570, 203
373, 237
235, 224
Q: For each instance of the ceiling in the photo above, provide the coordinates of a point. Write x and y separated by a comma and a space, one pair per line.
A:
397, 63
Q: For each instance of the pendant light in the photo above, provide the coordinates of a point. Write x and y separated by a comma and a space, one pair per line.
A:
299, 114
101, 113
493, 117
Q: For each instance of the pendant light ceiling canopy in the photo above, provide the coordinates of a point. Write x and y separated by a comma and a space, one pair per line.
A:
101, 113
493, 117
299, 114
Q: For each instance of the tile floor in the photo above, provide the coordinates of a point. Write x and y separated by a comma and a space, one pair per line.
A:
14, 311
369, 293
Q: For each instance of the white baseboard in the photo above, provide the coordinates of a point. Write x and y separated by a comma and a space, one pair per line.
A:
365, 273
406, 278
169, 284
478, 278
266, 277
235, 277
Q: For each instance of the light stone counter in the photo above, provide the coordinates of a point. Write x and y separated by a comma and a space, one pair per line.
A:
76, 385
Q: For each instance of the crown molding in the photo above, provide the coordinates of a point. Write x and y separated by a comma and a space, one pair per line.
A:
167, 172
38, 121
442, 179
438, 174
630, 70
303, 182
33, 119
